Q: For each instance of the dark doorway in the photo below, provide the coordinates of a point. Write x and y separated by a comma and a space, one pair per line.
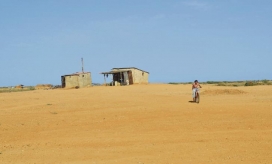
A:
118, 77
63, 83
130, 78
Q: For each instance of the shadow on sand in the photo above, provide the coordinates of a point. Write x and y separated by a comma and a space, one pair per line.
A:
191, 101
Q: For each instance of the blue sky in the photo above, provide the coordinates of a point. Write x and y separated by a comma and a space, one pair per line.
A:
174, 40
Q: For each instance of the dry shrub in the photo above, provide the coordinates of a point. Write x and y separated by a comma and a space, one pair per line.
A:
43, 86
249, 84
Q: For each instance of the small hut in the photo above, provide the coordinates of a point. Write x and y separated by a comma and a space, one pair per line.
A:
76, 80
127, 76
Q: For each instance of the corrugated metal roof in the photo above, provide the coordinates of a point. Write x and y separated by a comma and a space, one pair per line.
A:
76, 74
113, 72
129, 68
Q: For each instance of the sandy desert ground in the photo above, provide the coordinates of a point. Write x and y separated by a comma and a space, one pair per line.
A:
139, 124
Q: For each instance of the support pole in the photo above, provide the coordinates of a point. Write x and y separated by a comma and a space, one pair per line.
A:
82, 65
105, 80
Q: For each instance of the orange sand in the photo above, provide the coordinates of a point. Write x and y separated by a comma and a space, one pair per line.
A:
140, 124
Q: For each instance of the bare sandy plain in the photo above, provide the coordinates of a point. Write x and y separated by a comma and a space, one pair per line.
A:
139, 124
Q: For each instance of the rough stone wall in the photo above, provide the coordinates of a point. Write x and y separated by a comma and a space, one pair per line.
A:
71, 81
80, 80
139, 77
85, 80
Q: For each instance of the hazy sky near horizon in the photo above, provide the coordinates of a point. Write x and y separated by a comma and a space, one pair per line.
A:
174, 40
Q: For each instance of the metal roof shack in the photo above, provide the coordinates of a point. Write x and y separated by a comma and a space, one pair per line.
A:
76, 80
126, 76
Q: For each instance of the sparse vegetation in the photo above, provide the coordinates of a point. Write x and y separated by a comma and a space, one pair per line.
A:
258, 82
231, 83
265, 81
174, 83
44, 86
14, 89
212, 82
221, 84
250, 83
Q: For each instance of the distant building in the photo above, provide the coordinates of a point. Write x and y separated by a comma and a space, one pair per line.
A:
20, 86
79, 79
127, 76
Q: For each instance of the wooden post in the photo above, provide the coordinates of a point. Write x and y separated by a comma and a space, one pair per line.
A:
105, 80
